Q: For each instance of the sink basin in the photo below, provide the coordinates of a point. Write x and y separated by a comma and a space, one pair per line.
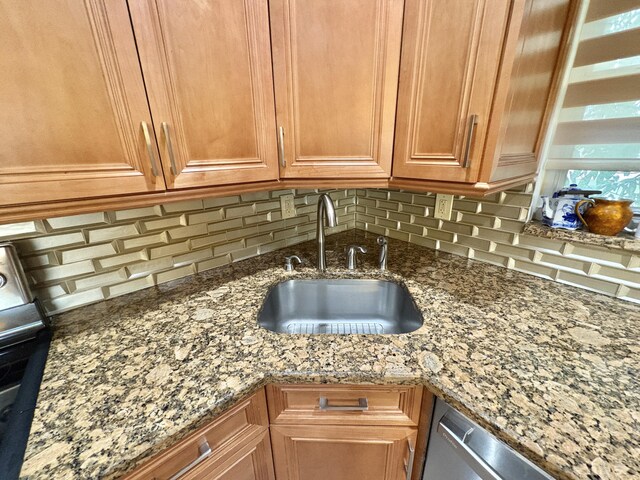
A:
340, 306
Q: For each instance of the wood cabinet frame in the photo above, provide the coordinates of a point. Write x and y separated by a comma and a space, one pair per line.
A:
239, 438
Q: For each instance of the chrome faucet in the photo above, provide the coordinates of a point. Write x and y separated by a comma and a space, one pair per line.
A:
384, 247
352, 252
325, 210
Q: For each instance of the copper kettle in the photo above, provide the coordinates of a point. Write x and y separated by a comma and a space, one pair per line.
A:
605, 217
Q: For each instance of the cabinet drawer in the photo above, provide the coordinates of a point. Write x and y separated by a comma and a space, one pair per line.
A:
344, 404
245, 420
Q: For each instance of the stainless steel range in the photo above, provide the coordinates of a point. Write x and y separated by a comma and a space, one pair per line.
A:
24, 344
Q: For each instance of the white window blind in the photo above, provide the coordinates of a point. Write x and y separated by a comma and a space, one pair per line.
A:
599, 123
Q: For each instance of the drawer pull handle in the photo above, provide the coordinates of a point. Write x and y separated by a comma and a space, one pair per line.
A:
363, 405
147, 140
172, 158
205, 452
473, 121
408, 465
283, 162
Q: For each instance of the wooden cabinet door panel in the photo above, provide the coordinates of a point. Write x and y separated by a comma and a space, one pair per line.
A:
72, 101
451, 52
336, 70
531, 81
237, 436
207, 68
319, 452
247, 460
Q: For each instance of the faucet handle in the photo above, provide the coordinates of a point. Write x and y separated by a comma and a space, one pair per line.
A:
288, 262
358, 248
351, 255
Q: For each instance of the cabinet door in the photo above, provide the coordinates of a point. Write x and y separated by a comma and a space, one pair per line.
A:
72, 101
233, 446
450, 58
531, 81
320, 452
207, 68
336, 70
248, 460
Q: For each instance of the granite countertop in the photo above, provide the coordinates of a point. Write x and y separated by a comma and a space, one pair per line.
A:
552, 370
624, 240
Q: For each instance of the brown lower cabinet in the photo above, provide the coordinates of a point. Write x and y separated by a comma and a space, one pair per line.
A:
319, 452
234, 446
310, 432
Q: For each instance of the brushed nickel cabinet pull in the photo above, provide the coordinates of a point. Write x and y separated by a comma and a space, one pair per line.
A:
147, 139
473, 121
205, 452
408, 465
172, 158
363, 405
283, 162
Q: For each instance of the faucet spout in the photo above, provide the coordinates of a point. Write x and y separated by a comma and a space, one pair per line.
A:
326, 211
384, 246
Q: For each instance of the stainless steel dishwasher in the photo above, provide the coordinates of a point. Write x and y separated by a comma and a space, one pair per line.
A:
459, 449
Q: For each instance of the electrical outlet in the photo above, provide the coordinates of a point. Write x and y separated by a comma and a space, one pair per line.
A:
444, 204
287, 207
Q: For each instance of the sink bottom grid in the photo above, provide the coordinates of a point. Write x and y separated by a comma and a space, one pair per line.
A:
336, 328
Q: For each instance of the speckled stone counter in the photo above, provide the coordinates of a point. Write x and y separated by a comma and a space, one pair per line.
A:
552, 370
624, 240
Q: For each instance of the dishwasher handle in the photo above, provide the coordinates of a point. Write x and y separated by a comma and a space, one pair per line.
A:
457, 436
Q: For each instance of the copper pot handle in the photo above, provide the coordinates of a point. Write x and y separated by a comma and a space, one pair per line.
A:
579, 204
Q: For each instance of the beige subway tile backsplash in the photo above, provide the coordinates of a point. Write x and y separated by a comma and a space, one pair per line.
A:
72, 261
49, 274
80, 259
82, 220
143, 241
192, 257
162, 223
536, 269
100, 280
13, 231
112, 233
118, 260
489, 229
87, 253
135, 213
51, 242
184, 206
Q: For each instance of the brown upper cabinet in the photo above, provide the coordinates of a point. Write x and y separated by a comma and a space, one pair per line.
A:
128, 103
207, 69
336, 73
475, 85
74, 116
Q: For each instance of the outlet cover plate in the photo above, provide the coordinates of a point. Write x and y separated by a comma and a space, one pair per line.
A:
287, 207
444, 205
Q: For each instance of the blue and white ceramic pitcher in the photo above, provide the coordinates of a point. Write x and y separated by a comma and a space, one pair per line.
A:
559, 211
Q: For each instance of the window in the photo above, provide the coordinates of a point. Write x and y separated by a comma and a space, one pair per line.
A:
596, 142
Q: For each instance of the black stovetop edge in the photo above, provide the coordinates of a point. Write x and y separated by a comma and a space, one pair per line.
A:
14, 444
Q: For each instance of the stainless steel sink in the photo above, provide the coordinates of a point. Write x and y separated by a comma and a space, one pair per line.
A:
339, 307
